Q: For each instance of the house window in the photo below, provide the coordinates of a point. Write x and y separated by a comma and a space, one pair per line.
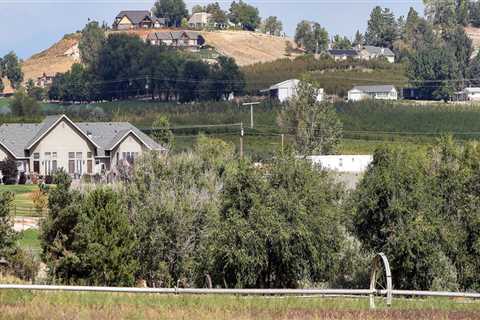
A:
89, 155
36, 156
54, 155
71, 155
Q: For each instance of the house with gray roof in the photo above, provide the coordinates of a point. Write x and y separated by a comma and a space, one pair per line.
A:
179, 39
371, 52
78, 147
343, 54
375, 92
138, 19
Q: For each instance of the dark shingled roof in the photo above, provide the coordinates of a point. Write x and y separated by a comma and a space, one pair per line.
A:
341, 52
135, 16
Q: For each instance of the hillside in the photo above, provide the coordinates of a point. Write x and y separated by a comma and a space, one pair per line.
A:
245, 47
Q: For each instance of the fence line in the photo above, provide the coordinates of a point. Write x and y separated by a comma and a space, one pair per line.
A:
250, 292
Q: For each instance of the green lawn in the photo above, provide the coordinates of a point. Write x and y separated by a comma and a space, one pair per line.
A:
22, 204
55, 305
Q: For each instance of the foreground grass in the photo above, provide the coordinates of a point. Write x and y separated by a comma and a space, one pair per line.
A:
53, 305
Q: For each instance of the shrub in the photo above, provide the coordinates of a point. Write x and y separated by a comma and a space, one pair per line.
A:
23, 265
48, 179
40, 201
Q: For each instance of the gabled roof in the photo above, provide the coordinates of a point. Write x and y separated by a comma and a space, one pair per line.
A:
48, 124
285, 84
16, 138
135, 16
375, 88
379, 51
343, 52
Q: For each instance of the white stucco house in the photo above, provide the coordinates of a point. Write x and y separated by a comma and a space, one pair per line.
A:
371, 52
285, 90
377, 92
78, 147
471, 94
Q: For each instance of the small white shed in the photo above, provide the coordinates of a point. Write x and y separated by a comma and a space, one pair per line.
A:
472, 93
285, 90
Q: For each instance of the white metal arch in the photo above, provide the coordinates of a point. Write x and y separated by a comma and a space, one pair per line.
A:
380, 265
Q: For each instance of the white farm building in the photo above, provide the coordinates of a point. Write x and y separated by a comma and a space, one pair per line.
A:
285, 90
381, 92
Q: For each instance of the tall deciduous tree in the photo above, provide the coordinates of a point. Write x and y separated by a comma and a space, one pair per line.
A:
315, 125
12, 69
174, 10
162, 132
91, 43
245, 15
311, 36
23, 105
273, 26
381, 30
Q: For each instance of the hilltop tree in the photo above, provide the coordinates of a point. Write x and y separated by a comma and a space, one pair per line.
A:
462, 45
340, 42
174, 10
315, 125
91, 42
359, 39
12, 69
442, 14
245, 15
382, 28
198, 8
273, 26
219, 16
311, 36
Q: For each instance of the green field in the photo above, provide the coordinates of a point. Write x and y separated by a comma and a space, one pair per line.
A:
29, 305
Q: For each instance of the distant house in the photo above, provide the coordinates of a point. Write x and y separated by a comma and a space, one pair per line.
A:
285, 90
471, 94
377, 92
138, 19
78, 147
177, 39
199, 20
45, 80
371, 52
340, 54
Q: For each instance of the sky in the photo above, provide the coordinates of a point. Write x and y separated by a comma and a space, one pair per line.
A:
30, 26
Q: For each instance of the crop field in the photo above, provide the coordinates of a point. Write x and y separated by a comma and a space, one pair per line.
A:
55, 305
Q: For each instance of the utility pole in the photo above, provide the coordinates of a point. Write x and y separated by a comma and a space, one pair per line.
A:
283, 141
241, 140
251, 104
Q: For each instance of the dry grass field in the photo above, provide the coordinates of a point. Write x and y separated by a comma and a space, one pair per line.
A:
53, 305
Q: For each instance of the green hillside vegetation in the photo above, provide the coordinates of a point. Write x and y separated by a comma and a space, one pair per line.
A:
337, 77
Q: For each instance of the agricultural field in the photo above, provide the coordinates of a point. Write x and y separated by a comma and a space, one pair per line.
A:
35, 305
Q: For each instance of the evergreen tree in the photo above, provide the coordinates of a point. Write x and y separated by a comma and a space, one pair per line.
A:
341, 42
90, 44
8, 236
381, 30
359, 39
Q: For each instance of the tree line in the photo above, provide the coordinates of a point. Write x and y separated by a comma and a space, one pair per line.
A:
122, 66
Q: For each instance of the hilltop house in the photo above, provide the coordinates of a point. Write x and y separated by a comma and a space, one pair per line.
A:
199, 20
80, 148
381, 92
340, 54
285, 90
371, 52
178, 39
138, 19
